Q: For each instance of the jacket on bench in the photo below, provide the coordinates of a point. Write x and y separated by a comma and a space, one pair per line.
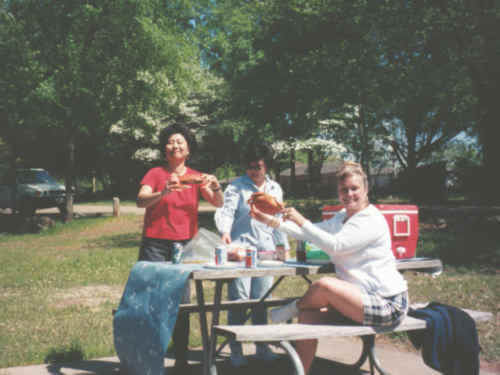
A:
450, 343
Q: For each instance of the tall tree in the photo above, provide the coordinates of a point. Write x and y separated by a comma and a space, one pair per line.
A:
288, 61
94, 56
468, 33
20, 78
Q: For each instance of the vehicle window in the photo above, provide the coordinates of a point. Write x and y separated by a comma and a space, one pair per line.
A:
34, 177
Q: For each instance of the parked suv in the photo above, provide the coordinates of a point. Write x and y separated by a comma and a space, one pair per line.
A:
26, 190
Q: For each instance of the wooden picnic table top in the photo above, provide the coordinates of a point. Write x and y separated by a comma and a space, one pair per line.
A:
293, 268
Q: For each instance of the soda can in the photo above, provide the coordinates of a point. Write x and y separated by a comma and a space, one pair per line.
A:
220, 255
281, 253
251, 258
177, 252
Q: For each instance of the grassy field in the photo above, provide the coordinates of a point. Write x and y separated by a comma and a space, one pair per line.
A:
58, 288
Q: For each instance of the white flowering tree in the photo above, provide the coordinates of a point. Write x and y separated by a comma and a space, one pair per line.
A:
135, 138
317, 148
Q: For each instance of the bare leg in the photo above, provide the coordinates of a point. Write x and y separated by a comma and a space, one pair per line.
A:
333, 293
326, 293
306, 349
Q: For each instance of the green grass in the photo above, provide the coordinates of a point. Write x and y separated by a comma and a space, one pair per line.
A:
58, 288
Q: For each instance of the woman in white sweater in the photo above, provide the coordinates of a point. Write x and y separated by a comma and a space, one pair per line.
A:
368, 288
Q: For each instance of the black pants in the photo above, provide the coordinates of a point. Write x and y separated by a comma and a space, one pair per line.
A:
158, 250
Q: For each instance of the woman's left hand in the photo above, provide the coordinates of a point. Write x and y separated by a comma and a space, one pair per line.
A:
210, 182
263, 217
292, 214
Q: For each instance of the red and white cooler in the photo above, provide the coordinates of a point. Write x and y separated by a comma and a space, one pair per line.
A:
403, 226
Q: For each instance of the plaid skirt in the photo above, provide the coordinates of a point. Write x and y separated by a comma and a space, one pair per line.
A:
384, 311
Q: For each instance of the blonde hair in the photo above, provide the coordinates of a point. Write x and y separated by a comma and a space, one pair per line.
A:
349, 169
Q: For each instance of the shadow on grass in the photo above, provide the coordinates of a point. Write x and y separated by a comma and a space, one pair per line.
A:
17, 224
65, 354
125, 240
469, 244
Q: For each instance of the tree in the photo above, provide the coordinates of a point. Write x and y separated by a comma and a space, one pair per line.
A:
317, 148
202, 108
94, 57
291, 63
20, 78
467, 33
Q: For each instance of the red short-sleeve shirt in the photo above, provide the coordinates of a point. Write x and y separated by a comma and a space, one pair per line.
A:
175, 216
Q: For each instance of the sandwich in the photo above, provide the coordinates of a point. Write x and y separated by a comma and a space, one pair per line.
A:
191, 179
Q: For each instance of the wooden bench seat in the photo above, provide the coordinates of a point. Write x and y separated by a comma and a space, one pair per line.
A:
281, 334
228, 305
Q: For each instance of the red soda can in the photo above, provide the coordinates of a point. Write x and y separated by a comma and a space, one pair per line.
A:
251, 258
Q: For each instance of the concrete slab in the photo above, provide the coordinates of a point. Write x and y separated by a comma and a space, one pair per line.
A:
332, 356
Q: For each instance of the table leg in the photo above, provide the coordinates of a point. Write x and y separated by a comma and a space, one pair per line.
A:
212, 369
203, 325
369, 353
276, 283
208, 338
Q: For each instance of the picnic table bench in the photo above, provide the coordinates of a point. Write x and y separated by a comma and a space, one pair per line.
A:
281, 335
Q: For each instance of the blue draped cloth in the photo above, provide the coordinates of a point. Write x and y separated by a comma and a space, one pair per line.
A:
146, 316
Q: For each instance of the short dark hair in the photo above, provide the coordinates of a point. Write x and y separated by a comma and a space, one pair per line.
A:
177, 128
256, 152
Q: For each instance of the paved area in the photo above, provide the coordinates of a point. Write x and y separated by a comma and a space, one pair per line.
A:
84, 209
333, 354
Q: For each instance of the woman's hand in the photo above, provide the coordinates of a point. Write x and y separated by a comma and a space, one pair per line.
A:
211, 182
290, 213
267, 219
226, 238
174, 184
211, 190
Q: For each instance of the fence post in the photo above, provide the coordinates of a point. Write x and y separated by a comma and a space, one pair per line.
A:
116, 206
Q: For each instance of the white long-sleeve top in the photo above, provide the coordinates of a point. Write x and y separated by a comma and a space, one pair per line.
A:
360, 249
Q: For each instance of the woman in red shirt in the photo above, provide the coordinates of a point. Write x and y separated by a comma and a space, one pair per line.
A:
172, 211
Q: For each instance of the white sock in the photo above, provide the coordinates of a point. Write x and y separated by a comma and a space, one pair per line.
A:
284, 313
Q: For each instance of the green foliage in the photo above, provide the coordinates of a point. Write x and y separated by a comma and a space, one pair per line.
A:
87, 64
293, 64
400, 79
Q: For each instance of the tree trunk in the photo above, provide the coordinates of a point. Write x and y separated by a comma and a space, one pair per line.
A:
365, 148
489, 122
69, 179
411, 183
292, 171
310, 170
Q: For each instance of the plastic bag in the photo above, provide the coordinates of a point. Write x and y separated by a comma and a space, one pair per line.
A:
201, 248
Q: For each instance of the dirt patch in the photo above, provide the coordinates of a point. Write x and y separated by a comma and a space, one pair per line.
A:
87, 296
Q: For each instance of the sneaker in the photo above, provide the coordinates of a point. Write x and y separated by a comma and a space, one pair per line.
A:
264, 353
237, 359
284, 313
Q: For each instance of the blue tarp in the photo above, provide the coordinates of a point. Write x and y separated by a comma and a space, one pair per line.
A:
146, 317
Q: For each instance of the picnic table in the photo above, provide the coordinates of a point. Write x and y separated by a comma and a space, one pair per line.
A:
287, 269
